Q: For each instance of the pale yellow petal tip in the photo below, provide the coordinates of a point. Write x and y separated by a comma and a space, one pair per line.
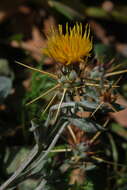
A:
70, 47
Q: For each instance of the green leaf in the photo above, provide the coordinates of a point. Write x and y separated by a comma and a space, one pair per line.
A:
16, 37
65, 10
119, 130
114, 148
104, 53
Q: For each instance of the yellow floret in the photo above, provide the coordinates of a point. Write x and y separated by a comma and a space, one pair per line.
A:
70, 47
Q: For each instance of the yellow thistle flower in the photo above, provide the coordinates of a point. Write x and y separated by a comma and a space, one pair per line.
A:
70, 47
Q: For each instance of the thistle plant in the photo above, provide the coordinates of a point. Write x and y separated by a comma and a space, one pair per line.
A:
83, 91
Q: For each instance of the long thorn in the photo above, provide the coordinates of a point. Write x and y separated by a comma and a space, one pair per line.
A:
72, 134
115, 67
49, 104
41, 71
57, 113
97, 108
117, 81
99, 132
116, 73
61, 150
51, 89
110, 105
98, 85
108, 162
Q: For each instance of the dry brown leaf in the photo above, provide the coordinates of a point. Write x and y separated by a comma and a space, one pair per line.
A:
108, 6
35, 45
100, 32
121, 116
122, 48
8, 9
77, 176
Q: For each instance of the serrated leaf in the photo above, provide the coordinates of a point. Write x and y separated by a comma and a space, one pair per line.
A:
64, 167
14, 158
105, 108
86, 124
28, 184
118, 107
92, 93
88, 106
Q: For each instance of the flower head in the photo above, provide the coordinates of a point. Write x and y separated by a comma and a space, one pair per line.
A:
70, 47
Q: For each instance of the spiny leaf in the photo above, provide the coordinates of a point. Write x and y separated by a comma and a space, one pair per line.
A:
88, 106
86, 124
